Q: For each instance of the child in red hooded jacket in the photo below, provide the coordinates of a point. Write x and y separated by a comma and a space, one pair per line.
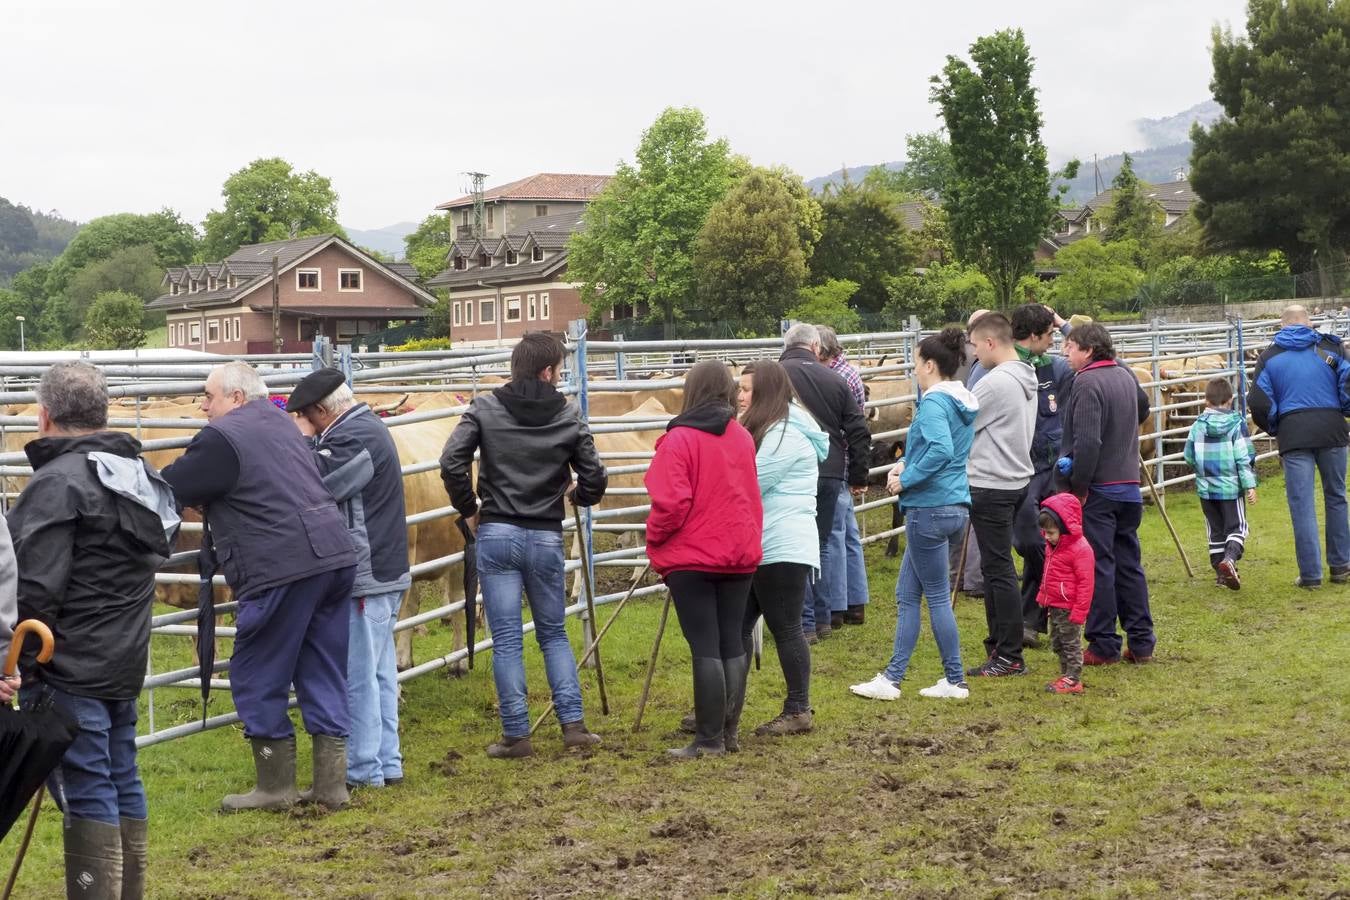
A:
1066, 586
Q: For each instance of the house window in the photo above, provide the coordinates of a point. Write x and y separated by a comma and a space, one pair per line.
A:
196, 286
349, 279
173, 290
512, 257
459, 262
238, 336
454, 314
536, 253
211, 283
195, 332
213, 331
229, 282
464, 218
512, 309
173, 332
468, 312
543, 307
489, 216
484, 260
531, 307
307, 279
540, 209
487, 312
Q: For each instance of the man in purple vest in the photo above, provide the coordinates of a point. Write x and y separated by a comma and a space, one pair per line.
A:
284, 549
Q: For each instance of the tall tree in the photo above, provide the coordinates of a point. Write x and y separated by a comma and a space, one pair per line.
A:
863, 240
268, 200
132, 270
1096, 276
114, 322
999, 198
1274, 172
749, 256
927, 169
1131, 214
429, 246
637, 246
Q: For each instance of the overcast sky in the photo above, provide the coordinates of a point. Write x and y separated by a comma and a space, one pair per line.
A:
135, 105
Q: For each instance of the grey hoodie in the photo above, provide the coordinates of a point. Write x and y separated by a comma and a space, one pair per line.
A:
1000, 457
9, 590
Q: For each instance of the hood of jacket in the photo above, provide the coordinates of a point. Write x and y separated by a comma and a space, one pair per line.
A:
711, 417
1220, 423
1301, 337
1070, 512
44, 450
800, 420
958, 397
531, 402
1022, 374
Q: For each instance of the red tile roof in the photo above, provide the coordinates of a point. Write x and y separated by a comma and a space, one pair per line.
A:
544, 186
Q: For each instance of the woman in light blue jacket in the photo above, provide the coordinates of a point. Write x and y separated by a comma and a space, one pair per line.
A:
789, 449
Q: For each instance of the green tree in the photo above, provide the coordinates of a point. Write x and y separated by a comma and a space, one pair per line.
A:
1274, 172
268, 200
1131, 214
828, 304
132, 270
174, 242
927, 168
999, 198
1095, 276
937, 295
13, 304
863, 240
637, 246
748, 257
428, 247
114, 322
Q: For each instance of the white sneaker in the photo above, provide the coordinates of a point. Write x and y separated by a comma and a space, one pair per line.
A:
879, 688
946, 690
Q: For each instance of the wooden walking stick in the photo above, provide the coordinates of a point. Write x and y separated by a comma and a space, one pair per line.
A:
1153, 489
651, 664
590, 605
595, 644
961, 563
23, 845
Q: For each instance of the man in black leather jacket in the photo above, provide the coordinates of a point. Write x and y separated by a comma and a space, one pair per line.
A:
529, 437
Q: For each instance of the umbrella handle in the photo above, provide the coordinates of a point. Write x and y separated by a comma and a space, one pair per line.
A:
16, 645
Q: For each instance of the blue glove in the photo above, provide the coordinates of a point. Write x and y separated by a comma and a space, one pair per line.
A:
1064, 465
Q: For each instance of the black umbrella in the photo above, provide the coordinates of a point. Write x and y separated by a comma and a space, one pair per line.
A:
206, 615
33, 739
470, 584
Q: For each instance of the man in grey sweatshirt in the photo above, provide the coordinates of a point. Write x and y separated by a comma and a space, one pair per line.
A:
999, 469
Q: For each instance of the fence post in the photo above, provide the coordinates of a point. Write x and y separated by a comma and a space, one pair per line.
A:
322, 354
1157, 402
1241, 368
344, 363
618, 360
576, 333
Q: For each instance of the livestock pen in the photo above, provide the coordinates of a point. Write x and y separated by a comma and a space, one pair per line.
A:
1171, 361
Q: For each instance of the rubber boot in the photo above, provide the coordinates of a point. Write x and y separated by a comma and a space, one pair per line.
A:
575, 734
274, 761
93, 860
710, 710
330, 773
511, 748
135, 847
738, 670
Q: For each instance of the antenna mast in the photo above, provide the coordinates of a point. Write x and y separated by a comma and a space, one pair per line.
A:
477, 194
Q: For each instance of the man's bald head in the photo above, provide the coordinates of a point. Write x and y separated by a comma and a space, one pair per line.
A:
975, 315
1295, 314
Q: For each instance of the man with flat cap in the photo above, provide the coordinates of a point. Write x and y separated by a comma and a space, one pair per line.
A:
360, 467
284, 549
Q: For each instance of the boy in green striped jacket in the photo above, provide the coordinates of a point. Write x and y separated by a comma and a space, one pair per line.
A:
1220, 451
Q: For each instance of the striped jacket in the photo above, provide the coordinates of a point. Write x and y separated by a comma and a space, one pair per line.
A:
1221, 452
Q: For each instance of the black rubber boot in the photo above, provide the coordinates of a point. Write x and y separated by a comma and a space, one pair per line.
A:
274, 761
737, 671
135, 846
710, 710
330, 773
93, 860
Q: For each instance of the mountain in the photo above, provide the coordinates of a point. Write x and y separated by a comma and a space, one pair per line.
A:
1165, 153
388, 240
29, 237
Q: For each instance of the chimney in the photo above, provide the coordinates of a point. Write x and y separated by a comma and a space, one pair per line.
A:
1179, 175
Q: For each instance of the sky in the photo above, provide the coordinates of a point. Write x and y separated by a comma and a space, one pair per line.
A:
136, 105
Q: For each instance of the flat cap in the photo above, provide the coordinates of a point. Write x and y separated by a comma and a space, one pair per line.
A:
314, 388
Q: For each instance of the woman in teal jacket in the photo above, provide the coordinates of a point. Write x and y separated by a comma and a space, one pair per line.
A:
931, 482
789, 449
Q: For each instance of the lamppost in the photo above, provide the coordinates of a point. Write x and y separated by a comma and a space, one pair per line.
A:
20, 320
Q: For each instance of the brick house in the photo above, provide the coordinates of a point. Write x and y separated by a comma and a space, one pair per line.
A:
508, 207
325, 286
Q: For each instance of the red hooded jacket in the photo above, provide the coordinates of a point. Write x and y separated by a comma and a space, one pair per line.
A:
1067, 580
706, 514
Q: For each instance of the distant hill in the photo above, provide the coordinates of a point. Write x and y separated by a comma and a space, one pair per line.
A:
29, 237
388, 239
1165, 152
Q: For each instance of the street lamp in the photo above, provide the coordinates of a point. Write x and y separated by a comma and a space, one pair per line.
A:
20, 320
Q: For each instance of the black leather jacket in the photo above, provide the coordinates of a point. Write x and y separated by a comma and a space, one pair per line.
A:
529, 437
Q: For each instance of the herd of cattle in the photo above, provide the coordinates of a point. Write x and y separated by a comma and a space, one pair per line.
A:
889, 410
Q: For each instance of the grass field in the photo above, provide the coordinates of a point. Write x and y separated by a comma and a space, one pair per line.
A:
1219, 771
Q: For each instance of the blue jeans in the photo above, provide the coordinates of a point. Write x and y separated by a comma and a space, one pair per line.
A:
855, 568
1298, 488
97, 778
511, 560
373, 755
929, 535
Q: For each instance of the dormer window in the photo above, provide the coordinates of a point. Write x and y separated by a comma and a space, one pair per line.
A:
512, 257
211, 283
196, 286
459, 262
484, 261
536, 253
173, 290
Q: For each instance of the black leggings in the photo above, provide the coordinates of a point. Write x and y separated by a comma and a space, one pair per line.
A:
710, 608
778, 592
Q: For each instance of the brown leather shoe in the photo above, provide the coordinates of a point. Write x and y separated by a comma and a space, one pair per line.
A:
511, 748
576, 735
785, 724
856, 615
1130, 657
